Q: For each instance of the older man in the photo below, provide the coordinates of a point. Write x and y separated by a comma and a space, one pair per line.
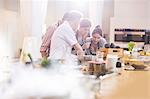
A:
64, 38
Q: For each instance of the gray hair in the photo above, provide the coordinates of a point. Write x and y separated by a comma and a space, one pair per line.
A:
72, 15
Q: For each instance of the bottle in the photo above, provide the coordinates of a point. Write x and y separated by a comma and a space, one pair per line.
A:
99, 56
118, 66
135, 53
112, 45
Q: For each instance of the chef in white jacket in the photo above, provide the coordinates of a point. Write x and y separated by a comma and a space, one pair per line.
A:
64, 38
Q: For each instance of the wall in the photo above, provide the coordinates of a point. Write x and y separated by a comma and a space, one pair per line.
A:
8, 33
12, 18
12, 5
9, 28
131, 8
1, 4
32, 18
56, 9
108, 12
129, 14
148, 14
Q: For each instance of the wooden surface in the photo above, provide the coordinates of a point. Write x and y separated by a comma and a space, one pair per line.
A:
129, 85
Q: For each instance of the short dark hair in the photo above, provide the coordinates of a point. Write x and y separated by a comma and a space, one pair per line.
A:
85, 23
97, 30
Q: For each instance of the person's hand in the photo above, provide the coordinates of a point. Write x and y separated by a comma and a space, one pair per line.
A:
80, 55
88, 39
87, 44
44, 54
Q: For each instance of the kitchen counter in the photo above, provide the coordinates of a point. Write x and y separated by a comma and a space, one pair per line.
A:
128, 85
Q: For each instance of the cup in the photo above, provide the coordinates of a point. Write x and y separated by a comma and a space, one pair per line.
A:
111, 61
99, 56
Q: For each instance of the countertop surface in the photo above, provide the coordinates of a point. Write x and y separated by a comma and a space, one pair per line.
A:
128, 85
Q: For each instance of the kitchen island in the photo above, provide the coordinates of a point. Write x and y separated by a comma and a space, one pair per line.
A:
128, 85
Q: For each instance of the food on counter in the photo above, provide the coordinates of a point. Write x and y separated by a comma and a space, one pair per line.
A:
94, 68
131, 46
148, 54
138, 66
142, 52
29, 55
45, 62
26, 58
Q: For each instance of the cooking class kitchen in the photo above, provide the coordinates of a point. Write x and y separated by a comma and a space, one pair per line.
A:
74, 49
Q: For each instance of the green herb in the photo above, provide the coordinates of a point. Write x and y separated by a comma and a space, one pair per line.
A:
45, 62
29, 55
131, 46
